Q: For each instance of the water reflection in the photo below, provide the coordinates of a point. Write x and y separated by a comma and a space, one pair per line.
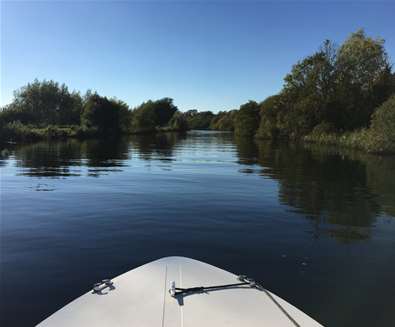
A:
344, 190
379, 172
100, 156
4, 154
105, 156
157, 146
278, 212
49, 159
65, 159
341, 192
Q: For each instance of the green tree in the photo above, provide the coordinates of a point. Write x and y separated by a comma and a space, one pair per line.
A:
153, 114
383, 125
268, 127
199, 120
178, 122
224, 121
43, 103
308, 90
106, 116
247, 119
335, 89
363, 73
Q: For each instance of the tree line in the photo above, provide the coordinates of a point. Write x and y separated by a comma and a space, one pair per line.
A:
339, 94
342, 95
48, 109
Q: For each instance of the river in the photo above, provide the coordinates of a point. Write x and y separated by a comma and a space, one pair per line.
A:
315, 225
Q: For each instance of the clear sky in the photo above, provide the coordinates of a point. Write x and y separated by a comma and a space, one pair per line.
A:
205, 55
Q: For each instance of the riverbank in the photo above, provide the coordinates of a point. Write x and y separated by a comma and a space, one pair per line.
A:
18, 132
364, 140
339, 95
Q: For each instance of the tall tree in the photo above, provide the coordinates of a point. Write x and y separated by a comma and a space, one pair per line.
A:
247, 119
308, 91
363, 75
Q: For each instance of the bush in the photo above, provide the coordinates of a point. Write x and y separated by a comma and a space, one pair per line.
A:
383, 120
324, 128
16, 131
364, 139
178, 122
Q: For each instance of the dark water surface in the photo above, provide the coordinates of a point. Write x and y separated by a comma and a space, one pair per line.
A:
316, 226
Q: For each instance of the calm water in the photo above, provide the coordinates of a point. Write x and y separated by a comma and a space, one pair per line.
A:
316, 226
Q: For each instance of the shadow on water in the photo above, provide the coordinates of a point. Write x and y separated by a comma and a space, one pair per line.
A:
342, 192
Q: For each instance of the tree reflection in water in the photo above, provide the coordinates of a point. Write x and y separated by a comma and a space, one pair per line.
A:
342, 192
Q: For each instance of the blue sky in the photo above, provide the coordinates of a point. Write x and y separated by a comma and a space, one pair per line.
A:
205, 55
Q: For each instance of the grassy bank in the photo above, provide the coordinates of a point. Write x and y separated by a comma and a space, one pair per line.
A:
18, 132
379, 138
364, 139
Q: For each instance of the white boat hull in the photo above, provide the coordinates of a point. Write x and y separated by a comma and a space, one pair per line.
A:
141, 298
